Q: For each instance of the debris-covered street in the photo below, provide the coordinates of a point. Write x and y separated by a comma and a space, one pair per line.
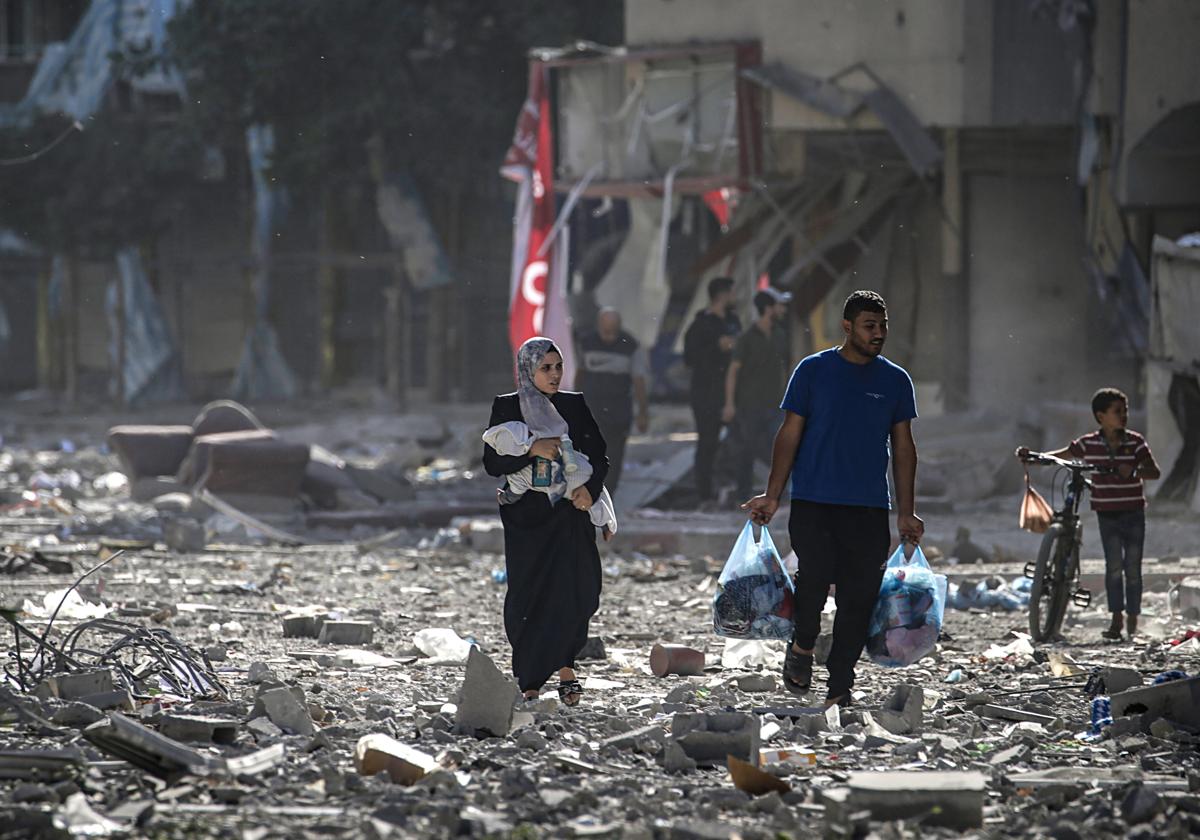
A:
257, 689
644, 419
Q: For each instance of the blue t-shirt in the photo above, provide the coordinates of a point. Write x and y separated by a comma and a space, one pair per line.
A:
848, 412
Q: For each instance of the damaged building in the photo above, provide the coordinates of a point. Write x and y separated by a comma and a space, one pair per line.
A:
998, 171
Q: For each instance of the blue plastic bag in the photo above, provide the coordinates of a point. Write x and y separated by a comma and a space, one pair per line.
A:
907, 618
754, 592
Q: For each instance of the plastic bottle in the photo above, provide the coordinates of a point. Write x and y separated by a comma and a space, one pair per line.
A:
570, 462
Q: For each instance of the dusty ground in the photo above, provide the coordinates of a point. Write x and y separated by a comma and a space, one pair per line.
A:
557, 776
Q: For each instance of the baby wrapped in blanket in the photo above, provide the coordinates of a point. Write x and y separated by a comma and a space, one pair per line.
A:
571, 470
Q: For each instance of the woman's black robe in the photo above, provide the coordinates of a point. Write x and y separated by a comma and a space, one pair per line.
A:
550, 551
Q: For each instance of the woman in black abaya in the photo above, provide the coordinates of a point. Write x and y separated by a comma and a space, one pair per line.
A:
549, 543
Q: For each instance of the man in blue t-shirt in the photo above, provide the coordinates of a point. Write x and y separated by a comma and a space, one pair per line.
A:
846, 410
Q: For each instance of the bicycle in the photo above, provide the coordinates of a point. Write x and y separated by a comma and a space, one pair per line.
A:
1055, 573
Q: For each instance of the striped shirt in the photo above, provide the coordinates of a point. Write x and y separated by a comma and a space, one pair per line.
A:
1111, 492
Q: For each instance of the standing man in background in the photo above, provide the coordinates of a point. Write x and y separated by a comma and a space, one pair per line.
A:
707, 350
613, 370
754, 382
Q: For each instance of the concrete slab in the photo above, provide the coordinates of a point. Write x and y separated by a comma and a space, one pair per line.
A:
487, 697
1177, 701
951, 799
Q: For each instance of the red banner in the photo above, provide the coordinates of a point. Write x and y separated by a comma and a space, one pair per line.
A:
529, 161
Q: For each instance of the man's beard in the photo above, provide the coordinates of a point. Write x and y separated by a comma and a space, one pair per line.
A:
868, 349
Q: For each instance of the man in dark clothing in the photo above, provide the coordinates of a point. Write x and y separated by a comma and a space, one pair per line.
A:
754, 382
612, 374
846, 410
707, 349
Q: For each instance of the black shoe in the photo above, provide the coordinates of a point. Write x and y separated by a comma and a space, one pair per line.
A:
797, 670
842, 700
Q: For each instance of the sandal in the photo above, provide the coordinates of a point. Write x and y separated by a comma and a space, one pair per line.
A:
570, 688
797, 670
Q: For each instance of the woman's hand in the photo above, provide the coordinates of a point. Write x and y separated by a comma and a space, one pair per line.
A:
582, 498
546, 448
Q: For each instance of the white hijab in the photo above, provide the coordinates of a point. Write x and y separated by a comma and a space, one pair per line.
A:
540, 415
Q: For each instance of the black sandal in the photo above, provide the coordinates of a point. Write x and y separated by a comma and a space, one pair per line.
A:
797, 670
570, 688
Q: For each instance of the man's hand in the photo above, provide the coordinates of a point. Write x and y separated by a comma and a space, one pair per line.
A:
582, 498
725, 342
761, 508
728, 413
911, 528
643, 421
546, 448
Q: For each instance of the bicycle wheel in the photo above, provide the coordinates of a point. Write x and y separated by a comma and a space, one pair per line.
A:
1048, 595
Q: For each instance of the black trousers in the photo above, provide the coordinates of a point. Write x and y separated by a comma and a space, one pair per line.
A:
707, 412
846, 546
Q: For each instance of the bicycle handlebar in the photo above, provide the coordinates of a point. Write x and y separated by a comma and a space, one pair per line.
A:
1074, 466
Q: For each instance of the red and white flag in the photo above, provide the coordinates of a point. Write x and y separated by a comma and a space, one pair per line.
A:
536, 294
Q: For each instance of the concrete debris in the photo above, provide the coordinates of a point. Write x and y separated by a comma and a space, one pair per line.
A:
285, 710
951, 799
709, 738
411, 725
346, 633
378, 753
486, 698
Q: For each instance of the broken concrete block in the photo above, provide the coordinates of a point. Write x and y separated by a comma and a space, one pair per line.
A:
149, 451
675, 760
42, 765
487, 697
903, 713
404, 765
1177, 701
951, 799
1117, 680
259, 672
285, 711
1141, 804
254, 463
709, 738
199, 728
629, 740
184, 535
74, 686
346, 633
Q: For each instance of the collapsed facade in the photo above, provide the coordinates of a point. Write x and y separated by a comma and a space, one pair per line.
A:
998, 171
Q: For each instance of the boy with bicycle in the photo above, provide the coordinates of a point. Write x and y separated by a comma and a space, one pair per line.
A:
1119, 500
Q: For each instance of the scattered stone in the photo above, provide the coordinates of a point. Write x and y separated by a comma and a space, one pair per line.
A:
756, 683
184, 535
260, 672
1013, 754
675, 760
629, 740
531, 739
285, 711
903, 713
1141, 804
593, 650
710, 738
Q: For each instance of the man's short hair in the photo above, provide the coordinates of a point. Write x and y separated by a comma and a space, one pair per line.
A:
768, 297
1103, 400
863, 300
719, 286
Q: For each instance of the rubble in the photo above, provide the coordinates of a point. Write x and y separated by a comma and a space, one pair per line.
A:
227, 694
